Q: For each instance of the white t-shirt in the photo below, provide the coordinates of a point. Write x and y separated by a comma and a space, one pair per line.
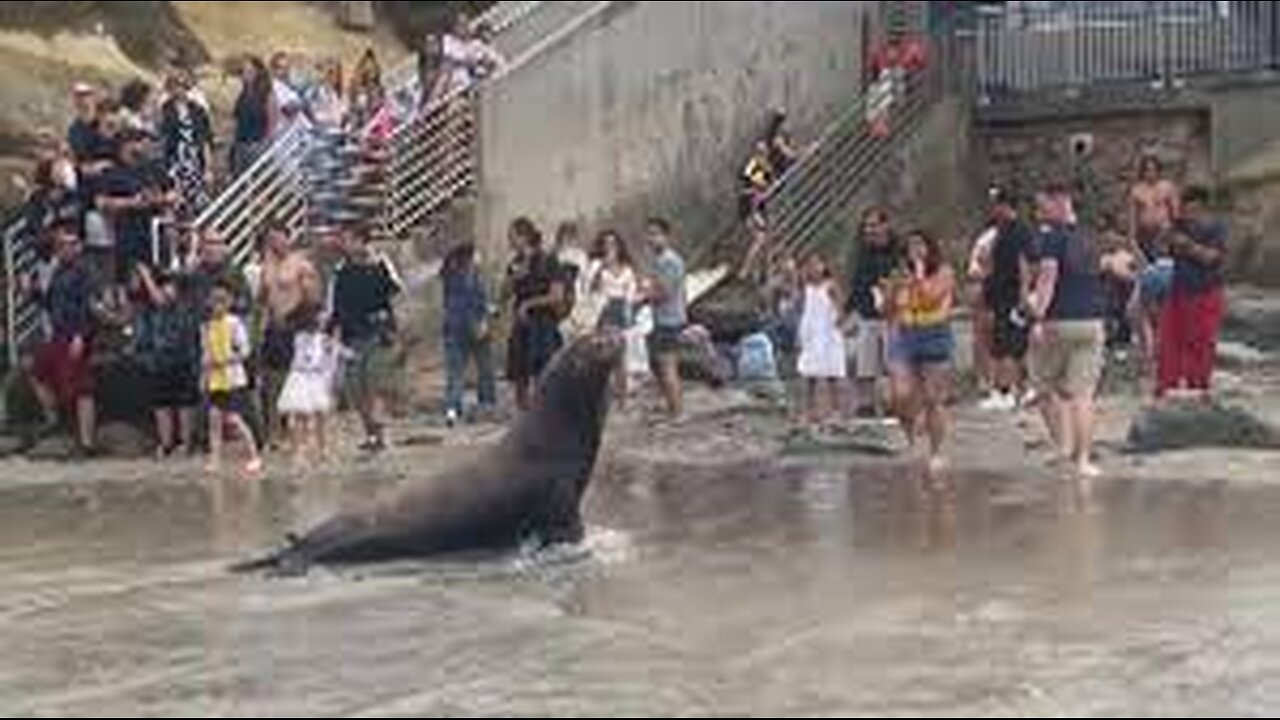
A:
288, 101
983, 249
618, 284
456, 55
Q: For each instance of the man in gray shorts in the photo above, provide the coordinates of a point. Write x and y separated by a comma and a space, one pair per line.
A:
670, 314
879, 255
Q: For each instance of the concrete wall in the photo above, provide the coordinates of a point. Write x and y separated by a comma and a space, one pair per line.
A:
650, 107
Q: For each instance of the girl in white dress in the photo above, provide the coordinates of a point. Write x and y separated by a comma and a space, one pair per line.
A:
823, 362
307, 399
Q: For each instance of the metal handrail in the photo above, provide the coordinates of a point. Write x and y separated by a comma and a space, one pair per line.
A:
240, 211
818, 192
434, 155
22, 315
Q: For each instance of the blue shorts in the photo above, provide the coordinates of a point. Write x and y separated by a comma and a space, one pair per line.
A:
915, 347
1155, 283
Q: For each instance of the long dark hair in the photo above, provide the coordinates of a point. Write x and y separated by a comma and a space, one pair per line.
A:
258, 89
42, 176
274, 226
777, 126
934, 257
1149, 162
524, 228
134, 95
459, 259
600, 250
368, 73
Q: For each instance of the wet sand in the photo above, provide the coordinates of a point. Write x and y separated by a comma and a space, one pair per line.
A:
721, 578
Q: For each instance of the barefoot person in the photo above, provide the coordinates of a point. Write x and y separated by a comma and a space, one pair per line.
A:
919, 302
1068, 334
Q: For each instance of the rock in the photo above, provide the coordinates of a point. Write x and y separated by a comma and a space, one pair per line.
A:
701, 361
1238, 355
771, 392
123, 392
56, 448
124, 441
21, 408
12, 445
861, 439
732, 310
419, 440
1190, 425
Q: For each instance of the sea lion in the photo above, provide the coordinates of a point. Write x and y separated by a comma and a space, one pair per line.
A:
528, 487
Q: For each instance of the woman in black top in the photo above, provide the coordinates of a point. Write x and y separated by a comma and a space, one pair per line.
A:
186, 134
534, 283
254, 113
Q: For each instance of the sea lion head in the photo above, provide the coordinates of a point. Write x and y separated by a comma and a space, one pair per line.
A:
575, 387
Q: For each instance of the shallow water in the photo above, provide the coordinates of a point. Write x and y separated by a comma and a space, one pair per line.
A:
751, 590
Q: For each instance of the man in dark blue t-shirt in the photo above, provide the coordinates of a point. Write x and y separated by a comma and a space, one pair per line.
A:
132, 194
1192, 317
1068, 334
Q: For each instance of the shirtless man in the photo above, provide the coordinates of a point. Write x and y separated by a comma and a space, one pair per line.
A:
289, 283
1153, 206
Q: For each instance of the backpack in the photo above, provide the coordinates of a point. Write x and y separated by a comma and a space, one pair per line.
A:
568, 276
756, 358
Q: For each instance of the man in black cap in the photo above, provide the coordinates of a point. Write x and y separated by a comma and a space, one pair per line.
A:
1005, 291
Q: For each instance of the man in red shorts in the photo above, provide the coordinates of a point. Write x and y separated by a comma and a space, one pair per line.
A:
63, 371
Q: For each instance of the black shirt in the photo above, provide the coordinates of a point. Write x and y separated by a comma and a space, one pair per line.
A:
87, 143
362, 295
132, 226
1014, 244
197, 289
532, 277
253, 118
874, 265
184, 125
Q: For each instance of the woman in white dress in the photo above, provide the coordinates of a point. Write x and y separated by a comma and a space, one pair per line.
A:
823, 362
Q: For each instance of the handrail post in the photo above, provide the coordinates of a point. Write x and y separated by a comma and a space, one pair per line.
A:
11, 299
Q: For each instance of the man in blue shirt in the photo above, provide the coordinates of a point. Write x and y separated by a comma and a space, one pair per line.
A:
466, 332
1068, 335
667, 293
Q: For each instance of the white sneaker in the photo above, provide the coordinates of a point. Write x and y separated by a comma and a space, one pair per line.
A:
938, 464
451, 418
998, 403
1029, 400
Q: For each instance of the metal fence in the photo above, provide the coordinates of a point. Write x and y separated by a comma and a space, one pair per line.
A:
1033, 46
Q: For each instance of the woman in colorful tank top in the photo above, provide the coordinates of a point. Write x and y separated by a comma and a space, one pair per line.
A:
920, 298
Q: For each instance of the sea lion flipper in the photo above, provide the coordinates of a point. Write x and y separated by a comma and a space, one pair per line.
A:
289, 562
560, 522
